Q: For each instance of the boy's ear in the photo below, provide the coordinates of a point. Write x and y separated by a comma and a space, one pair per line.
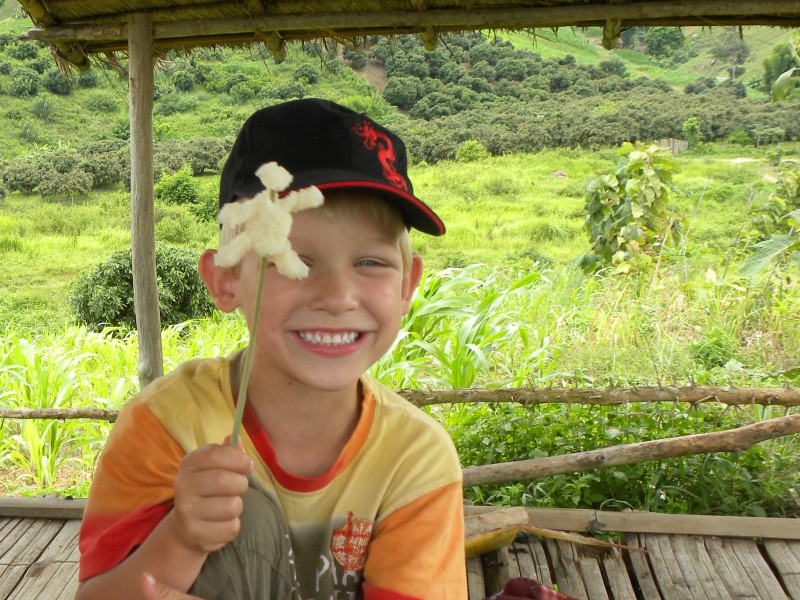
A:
219, 281
411, 281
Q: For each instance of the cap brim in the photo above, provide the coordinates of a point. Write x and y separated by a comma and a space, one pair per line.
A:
416, 213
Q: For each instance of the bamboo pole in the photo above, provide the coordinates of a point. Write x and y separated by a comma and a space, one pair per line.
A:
143, 237
610, 396
664, 12
785, 397
733, 440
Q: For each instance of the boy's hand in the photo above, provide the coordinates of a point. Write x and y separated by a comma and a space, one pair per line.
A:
208, 490
155, 590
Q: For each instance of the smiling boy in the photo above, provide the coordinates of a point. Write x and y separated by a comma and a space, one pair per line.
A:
340, 489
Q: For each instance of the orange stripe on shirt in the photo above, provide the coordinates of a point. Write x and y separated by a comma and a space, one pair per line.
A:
132, 490
418, 550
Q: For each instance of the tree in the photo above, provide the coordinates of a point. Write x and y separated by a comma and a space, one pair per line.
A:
628, 214
103, 295
662, 41
731, 49
691, 131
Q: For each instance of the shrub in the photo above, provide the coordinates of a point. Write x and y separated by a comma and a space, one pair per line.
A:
741, 137
403, 92
306, 74
103, 295
628, 215
29, 132
102, 101
23, 51
178, 188
242, 92
56, 82
205, 154
24, 82
6, 67
355, 59
87, 79
43, 108
471, 151
182, 80
75, 182
40, 64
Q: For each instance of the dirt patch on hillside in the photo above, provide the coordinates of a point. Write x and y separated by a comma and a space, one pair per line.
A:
737, 161
374, 73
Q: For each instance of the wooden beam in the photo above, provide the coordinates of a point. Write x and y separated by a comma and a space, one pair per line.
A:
143, 237
585, 520
785, 397
699, 11
610, 396
42, 508
733, 440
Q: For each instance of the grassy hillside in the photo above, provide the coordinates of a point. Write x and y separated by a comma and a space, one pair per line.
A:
584, 45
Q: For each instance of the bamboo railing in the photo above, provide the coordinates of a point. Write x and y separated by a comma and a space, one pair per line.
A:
732, 440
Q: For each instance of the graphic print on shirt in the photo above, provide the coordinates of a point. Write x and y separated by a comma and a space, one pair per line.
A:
376, 140
350, 542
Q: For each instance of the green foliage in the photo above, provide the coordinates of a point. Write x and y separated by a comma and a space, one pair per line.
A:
776, 226
24, 82
102, 101
663, 41
183, 80
87, 79
103, 296
691, 131
71, 183
178, 188
306, 74
471, 151
43, 108
629, 219
56, 82
741, 137
23, 51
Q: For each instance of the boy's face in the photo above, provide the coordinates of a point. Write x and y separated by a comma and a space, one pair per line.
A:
326, 330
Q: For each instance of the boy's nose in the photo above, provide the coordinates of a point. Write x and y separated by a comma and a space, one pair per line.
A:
334, 292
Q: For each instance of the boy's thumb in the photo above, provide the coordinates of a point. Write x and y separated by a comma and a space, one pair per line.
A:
155, 590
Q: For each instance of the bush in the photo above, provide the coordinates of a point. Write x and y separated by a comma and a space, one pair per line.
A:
6, 67
57, 83
24, 82
87, 79
306, 74
178, 188
103, 295
101, 101
43, 108
75, 182
23, 51
40, 64
471, 151
183, 81
242, 92
741, 137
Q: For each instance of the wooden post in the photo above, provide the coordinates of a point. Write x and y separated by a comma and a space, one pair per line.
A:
143, 236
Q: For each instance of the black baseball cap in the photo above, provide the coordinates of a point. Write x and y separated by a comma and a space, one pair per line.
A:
327, 145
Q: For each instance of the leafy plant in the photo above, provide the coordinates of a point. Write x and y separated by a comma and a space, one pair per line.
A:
776, 226
629, 219
103, 296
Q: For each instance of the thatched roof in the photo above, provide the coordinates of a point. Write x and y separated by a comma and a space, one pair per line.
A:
77, 29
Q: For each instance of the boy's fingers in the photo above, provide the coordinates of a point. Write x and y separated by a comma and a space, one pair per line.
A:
154, 590
216, 456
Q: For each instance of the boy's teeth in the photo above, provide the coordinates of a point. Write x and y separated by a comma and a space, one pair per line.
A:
329, 339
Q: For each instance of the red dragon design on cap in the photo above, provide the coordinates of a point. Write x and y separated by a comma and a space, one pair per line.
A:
376, 140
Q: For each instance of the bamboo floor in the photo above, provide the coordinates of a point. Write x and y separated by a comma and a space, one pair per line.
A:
39, 558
